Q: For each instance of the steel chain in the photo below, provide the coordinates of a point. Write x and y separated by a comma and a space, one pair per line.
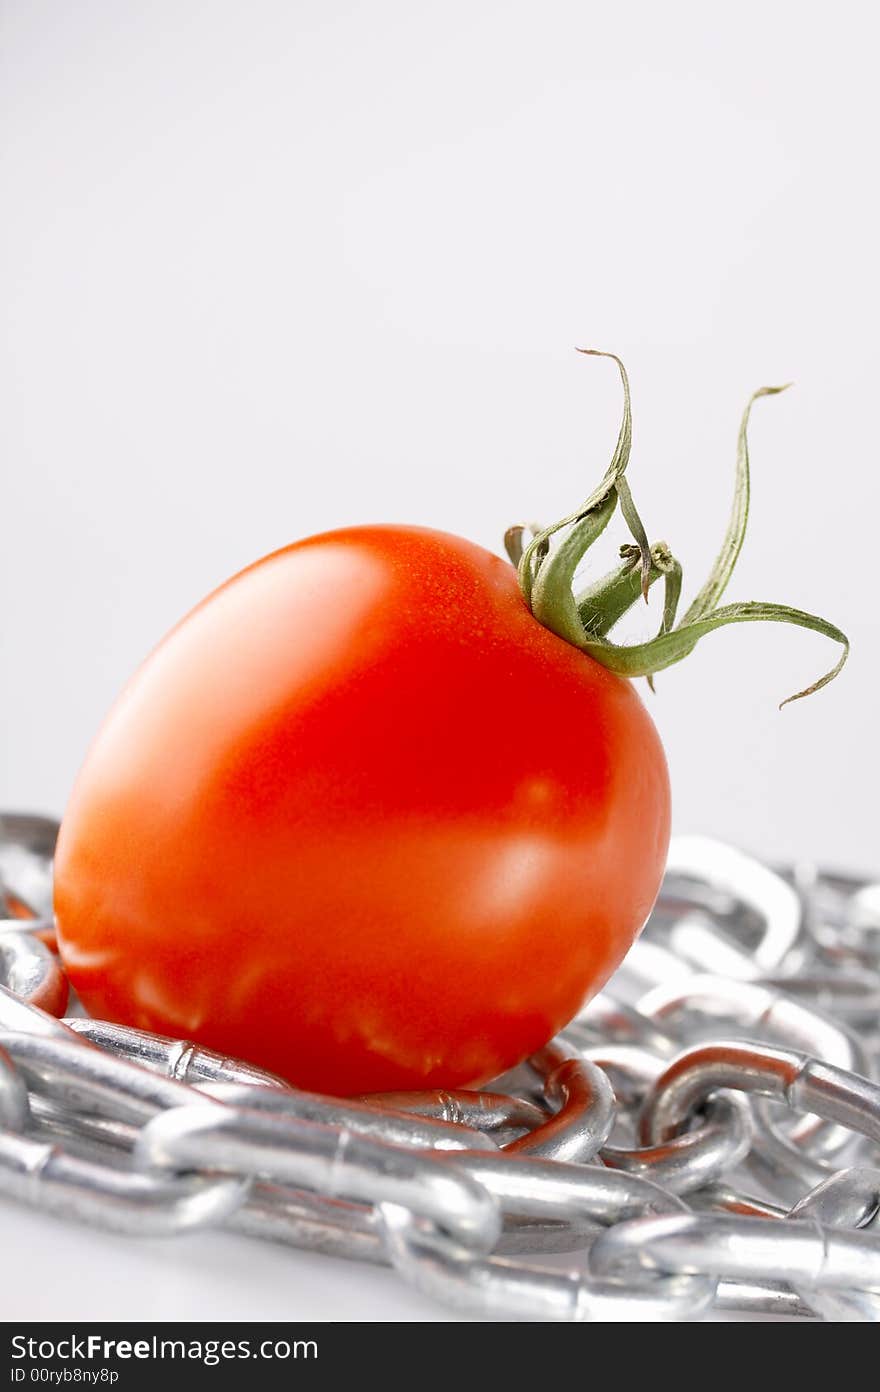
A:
732, 1060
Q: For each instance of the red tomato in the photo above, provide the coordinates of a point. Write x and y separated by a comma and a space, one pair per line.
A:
362, 820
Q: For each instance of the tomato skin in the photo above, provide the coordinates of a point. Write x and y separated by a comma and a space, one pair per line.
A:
361, 820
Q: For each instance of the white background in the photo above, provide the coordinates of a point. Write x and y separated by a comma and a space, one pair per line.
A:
267, 268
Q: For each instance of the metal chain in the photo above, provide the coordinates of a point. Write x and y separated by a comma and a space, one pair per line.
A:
704, 1137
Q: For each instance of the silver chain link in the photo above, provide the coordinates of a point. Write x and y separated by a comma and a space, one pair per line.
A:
705, 1135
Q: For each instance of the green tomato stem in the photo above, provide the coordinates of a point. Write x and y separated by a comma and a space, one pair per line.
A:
603, 603
547, 572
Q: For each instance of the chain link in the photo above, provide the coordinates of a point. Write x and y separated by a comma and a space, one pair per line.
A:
732, 1060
